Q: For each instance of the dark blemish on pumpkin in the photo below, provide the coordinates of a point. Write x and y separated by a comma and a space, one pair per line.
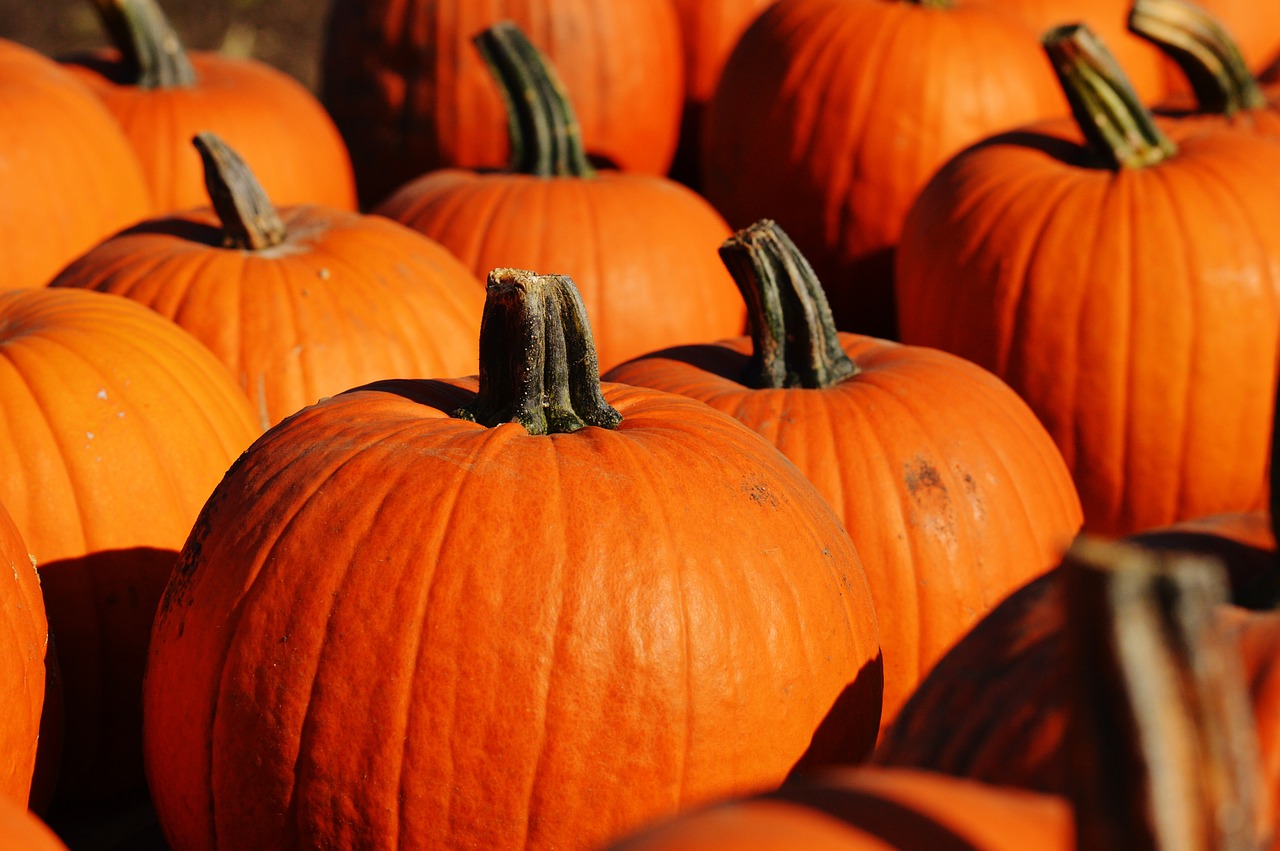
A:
922, 476
760, 493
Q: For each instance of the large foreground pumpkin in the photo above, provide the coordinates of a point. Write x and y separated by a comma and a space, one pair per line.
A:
117, 426
952, 491
539, 622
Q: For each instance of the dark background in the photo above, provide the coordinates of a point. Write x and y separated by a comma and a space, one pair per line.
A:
283, 33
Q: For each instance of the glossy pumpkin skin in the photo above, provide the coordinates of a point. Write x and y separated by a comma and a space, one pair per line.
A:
641, 249
118, 425
1063, 279
409, 92
859, 116
346, 299
567, 642
24, 647
952, 491
270, 118
70, 177
871, 809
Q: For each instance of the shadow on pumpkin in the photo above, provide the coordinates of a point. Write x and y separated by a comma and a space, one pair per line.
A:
847, 734
100, 608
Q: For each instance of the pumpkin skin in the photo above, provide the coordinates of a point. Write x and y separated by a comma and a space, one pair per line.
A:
642, 248
1144, 65
343, 299
404, 85
1128, 344
70, 177
268, 116
872, 809
118, 424
21, 829
859, 116
24, 647
578, 659
952, 491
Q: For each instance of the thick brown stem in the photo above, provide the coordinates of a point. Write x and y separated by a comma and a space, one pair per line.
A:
249, 219
1204, 50
1164, 748
1117, 126
795, 342
538, 364
148, 43
546, 139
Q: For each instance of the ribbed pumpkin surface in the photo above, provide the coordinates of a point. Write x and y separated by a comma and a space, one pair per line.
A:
24, 645
505, 641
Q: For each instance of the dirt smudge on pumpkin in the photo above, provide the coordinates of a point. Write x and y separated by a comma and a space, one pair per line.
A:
758, 490
930, 508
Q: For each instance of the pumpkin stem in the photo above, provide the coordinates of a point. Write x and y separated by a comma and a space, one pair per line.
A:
148, 43
933, 4
546, 139
249, 219
1204, 50
1109, 112
1163, 740
794, 338
538, 364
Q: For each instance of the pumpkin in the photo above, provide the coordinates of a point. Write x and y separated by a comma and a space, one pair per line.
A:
162, 96
298, 304
528, 631
952, 491
21, 829
1225, 91
862, 101
1164, 752
638, 246
24, 648
70, 177
1127, 286
411, 96
117, 426
1145, 67
708, 31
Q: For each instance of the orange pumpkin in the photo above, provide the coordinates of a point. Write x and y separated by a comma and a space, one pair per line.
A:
24, 648
298, 305
639, 246
831, 115
567, 642
117, 425
410, 95
162, 97
70, 178
952, 491
1127, 287
20, 829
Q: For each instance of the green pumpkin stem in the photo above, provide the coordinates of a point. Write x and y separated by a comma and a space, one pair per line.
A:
794, 338
546, 139
933, 4
1162, 740
148, 43
538, 364
249, 219
1113, 119
1204, 50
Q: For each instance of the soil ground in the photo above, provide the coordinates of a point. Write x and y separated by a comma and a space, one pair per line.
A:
283, 33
